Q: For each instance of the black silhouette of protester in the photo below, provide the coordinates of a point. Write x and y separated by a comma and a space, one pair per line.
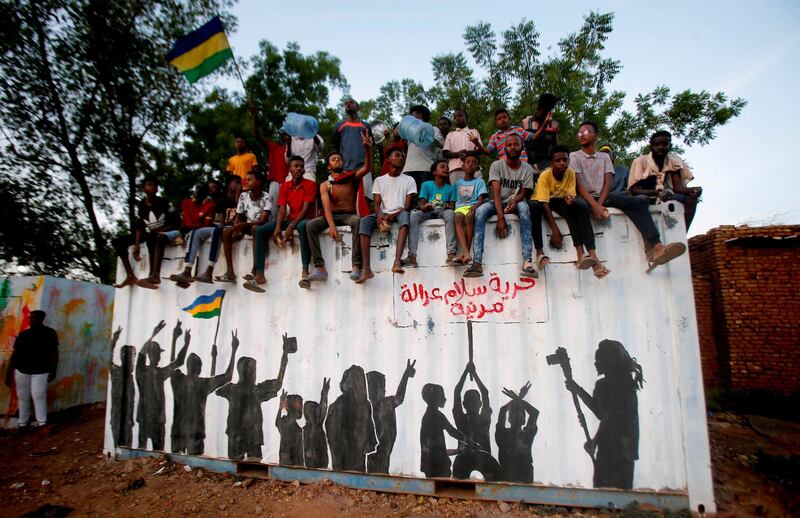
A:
315, 444
190, 393
351, 433
614, 402
290, 452
150, 379
383, 414
245, 420
122, 393
515, 441
435, 457
475, 424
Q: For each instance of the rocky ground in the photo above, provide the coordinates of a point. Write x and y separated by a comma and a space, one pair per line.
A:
755, 473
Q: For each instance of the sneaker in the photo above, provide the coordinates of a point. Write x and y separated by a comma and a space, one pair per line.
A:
409, 262
317, 276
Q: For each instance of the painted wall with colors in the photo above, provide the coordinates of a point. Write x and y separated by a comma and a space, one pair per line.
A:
378, 377
81, 314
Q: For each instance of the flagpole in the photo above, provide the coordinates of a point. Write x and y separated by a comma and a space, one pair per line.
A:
216, 331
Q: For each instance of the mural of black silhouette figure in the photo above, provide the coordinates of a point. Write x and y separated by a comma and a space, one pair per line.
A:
515, 441
616, 405
122, 393
475, 424
290, 452
315, 444
190, 393
435, 457
245, 420
150, 379
383, 414
351, 433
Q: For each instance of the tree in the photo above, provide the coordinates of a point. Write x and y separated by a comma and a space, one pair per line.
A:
278, 82
513, 75
84, 85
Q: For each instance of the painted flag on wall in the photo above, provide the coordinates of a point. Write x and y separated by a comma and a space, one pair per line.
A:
206, 306
202, 51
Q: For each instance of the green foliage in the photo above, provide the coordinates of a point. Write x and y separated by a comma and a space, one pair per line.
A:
512, 74
280, 82
85, 90
87, 106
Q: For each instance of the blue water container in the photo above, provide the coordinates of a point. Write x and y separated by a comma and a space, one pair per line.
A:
298, 125
416, 131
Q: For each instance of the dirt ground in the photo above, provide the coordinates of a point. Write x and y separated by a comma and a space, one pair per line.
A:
63, 465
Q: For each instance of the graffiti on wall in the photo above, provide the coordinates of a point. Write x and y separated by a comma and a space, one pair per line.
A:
81, 314
358, 429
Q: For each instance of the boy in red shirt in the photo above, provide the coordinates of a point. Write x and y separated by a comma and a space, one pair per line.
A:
295, 199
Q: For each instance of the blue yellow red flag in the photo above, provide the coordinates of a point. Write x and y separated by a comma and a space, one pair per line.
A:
206, 306
202, 51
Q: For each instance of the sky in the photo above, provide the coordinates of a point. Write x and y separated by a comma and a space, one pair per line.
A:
745, 49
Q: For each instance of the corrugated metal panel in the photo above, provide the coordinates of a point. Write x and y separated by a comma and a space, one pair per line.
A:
382, 325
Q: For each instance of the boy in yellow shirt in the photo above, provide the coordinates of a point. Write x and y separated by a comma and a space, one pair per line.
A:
556, 191
243, 161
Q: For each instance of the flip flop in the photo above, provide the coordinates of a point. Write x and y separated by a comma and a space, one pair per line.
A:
602, 273
671, 251
542, 261
248, 276
305, 284
253, 286
586, 262
225, 278
355, 275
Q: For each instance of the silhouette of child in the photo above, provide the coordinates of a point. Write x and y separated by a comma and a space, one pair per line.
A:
315, 443
434, 460
291, 448
515, 441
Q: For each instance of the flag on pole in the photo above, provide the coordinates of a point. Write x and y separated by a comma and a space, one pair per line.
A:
206, 306
202, 51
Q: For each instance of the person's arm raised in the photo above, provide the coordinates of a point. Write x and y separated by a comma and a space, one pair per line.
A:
367, 167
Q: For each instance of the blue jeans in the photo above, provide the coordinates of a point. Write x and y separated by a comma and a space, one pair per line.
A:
417, 217
368, 223
263, 235
486, 211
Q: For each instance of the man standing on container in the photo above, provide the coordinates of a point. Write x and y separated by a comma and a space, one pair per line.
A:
347, 141
458, 143
33, 364
420, 159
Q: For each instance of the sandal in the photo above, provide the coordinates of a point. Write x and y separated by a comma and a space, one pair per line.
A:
409, 262
225, 278
602, 272
253, 286
586, 262
475, 270
529, 271
248, 276
542, 261
305, 284
671, 251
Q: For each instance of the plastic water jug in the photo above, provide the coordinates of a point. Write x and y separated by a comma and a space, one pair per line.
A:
416, 131
298, 125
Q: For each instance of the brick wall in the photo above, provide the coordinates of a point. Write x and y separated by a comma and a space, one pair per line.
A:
747, 294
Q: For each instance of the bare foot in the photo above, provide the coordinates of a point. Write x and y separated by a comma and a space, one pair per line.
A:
129, 281
397, 268
365, 276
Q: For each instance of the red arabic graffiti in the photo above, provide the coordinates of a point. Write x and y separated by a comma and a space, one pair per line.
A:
465, 301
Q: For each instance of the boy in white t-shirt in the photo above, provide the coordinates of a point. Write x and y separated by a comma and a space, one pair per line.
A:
393, 194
